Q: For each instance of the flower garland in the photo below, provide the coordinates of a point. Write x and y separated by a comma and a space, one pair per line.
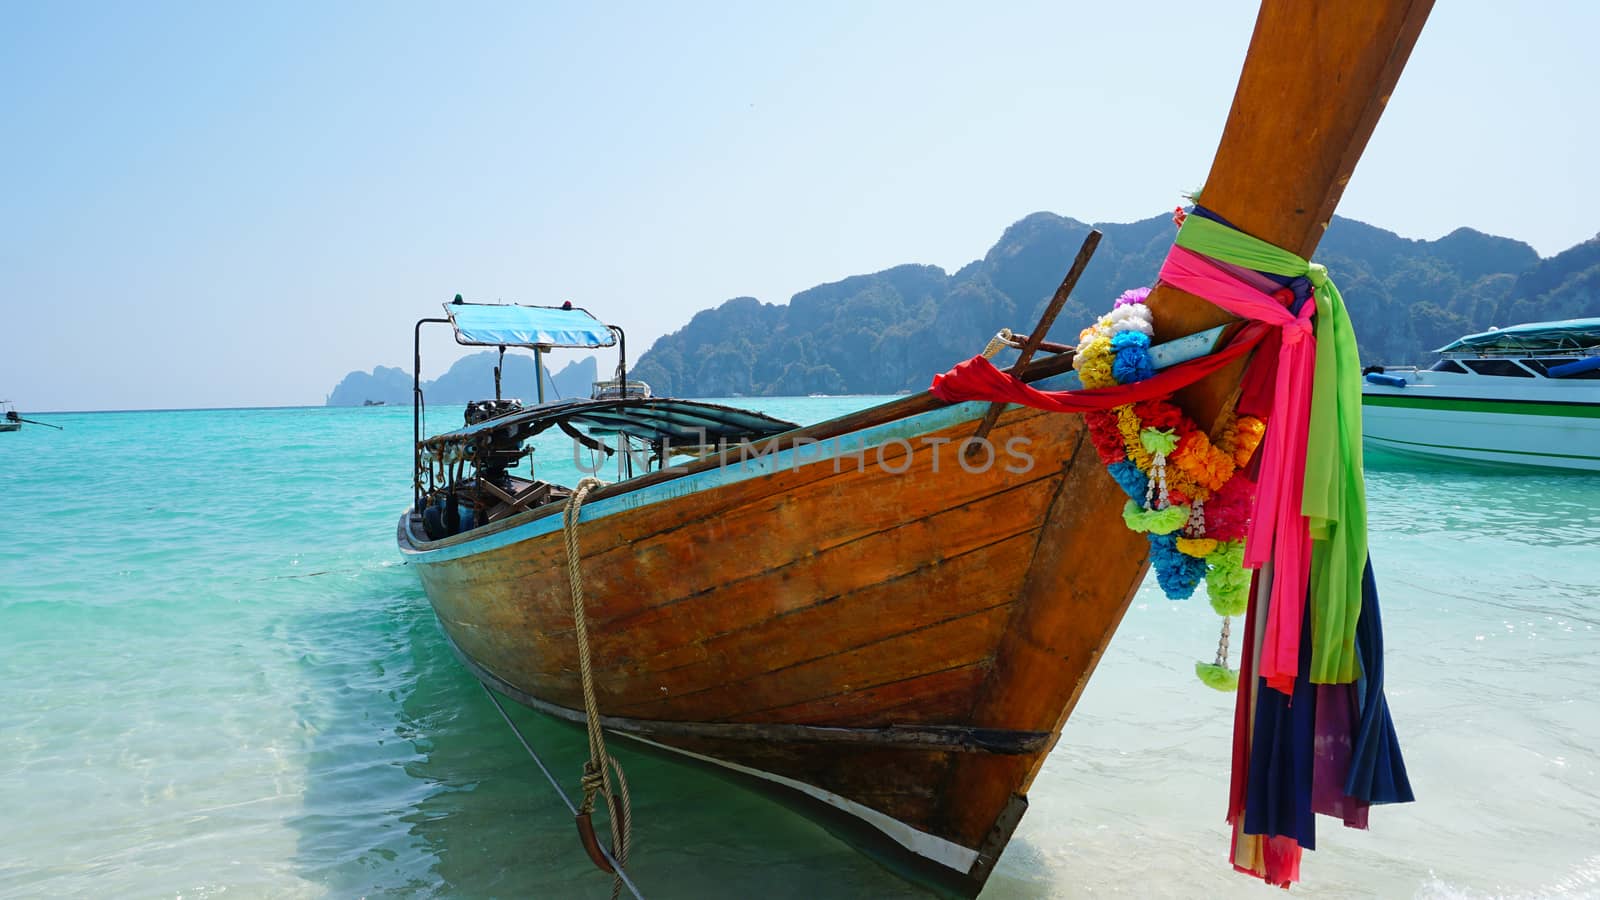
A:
1187, 491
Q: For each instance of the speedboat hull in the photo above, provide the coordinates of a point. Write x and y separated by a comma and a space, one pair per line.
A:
1498, 432
1503, 412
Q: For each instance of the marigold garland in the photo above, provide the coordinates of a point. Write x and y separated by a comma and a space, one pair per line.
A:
1107, 439
1177, 573
1201, 547
1096, 369
1228, 510
1217, 677
1133, 482
1241, 437
1227, 580
1132, 360
1154, 521
1128, 428
1188, 493
1206, 466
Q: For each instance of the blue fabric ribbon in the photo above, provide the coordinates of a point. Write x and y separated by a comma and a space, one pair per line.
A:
1377, 770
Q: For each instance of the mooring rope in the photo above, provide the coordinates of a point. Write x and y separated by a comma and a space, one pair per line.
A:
621, 875
1003, 339
597, 771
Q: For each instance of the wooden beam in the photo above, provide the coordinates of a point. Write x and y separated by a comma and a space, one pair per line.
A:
1036, 337
1301, 117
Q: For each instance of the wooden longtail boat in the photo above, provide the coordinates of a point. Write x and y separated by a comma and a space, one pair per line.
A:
10, 421
900, 640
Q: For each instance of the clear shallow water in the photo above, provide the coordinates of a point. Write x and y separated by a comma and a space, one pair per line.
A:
219, 679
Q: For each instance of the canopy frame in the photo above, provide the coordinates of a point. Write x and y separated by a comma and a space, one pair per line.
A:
615, 337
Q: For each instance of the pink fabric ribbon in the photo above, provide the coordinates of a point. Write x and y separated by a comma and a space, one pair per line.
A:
1278, 530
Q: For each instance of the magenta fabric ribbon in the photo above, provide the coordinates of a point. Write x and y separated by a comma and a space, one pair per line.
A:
1278, 530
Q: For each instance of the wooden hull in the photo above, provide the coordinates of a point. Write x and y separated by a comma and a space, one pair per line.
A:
855, 632
903, 646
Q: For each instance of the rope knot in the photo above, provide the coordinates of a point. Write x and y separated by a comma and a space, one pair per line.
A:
593, 780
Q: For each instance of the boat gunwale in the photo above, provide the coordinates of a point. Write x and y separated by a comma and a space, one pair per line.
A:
874, 424
635, 493
892, 411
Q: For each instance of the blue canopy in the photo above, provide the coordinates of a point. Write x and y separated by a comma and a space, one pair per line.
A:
496, 325
1568, 336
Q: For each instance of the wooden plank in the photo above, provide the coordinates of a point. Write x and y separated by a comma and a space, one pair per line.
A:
760, 537
1064, 617
945, 696
869, 562
501, 577
842, 622
516, 606
941, 737
775, 642
931, 648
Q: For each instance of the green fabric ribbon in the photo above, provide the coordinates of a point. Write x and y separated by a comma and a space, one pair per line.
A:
1335, 496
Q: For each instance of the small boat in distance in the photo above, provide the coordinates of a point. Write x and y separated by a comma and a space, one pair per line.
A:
1526, 396
10, 421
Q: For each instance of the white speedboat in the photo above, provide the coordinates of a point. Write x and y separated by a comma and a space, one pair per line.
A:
1528, 395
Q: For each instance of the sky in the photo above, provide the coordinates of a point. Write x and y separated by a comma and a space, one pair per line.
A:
237, 204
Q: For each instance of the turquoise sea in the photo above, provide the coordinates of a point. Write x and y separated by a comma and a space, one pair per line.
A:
219, 679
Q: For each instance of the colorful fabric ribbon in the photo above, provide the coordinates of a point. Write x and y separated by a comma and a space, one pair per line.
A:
1311, 506
1278, 532
1312, 732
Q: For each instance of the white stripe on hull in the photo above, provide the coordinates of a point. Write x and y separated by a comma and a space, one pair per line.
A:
946, 853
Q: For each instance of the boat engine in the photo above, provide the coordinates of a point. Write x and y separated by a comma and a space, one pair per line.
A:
494, 451
483, 410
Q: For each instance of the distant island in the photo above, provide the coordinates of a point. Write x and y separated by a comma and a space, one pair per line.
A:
893, 330
470, 378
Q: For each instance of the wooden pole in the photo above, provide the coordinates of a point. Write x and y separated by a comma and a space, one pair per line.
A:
1036, 337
